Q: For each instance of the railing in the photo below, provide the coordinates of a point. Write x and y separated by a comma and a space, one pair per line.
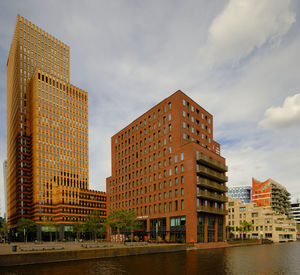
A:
212, 185
211, 174
212, 210
212, 196
209, 161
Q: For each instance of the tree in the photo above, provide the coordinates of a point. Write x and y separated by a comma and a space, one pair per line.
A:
123, 220
246, 227
78, 228
26, 226
239, 229
230, 229
94, 223
4, 229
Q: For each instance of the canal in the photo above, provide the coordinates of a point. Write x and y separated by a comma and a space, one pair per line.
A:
261, 259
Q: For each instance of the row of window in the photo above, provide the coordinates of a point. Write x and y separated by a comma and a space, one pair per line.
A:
143, 123
46, 42
135, 193
152, 209
142, 144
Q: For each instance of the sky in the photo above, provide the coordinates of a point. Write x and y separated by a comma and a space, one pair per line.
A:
238, 59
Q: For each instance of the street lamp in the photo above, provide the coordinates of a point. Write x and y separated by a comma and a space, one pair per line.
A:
156, 231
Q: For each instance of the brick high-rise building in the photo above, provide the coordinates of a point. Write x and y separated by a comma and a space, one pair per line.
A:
272, 195
167, 168
47, 133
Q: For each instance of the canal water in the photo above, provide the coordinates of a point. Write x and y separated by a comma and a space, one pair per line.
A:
259, 259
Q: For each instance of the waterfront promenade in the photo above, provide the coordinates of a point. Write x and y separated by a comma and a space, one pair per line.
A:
36, 253
50, 252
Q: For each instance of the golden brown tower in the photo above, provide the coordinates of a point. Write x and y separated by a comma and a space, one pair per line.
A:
47, 132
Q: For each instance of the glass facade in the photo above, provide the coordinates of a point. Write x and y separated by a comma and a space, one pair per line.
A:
243, 193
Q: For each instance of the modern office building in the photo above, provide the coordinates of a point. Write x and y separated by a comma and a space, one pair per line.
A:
167, 168
271, 194
295, 212
267, 224
243, 193
4, 214
47, 133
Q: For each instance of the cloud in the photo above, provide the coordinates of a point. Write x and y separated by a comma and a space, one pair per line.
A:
128, 57
246, 161
283, 117
244, 26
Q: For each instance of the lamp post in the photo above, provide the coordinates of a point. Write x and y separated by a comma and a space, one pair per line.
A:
156, 231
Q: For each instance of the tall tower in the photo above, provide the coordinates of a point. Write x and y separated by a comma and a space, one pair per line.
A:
5, 189
47, 132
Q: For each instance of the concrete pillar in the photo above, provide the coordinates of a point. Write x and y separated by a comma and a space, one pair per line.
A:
39, 232
148, 227
191, 228
61, 232
205, 228
168, 227
224, 229
216, 229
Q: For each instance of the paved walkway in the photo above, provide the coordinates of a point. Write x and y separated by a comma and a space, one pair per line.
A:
66, 246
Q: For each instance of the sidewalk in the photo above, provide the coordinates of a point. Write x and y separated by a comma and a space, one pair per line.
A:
32, 247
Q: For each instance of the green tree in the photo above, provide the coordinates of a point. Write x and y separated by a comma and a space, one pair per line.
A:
78, 228
230, 231
4, 229
246, 227
123, 220
94, 223
26, 226
239, 229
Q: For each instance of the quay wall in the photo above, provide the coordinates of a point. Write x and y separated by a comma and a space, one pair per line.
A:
75, 255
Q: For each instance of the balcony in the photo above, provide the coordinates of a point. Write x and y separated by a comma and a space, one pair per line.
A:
212, 163
211, 196
212, 210
212, 185
211, 174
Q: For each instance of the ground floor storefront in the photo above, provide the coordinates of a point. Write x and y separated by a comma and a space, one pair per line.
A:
203, 228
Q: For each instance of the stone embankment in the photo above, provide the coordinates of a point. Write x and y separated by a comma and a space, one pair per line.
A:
36, 254
31, 253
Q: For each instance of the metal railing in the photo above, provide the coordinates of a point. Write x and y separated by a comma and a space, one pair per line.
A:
212, 210
211, 174
209, 161
212, 196
212, 185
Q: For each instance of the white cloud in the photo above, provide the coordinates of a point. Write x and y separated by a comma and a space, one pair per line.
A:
244, 26
282, 117
245, 162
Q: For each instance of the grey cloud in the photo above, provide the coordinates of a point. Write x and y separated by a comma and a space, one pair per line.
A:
129, 55
244, 26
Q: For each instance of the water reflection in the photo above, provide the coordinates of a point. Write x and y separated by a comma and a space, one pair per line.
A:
264, 259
